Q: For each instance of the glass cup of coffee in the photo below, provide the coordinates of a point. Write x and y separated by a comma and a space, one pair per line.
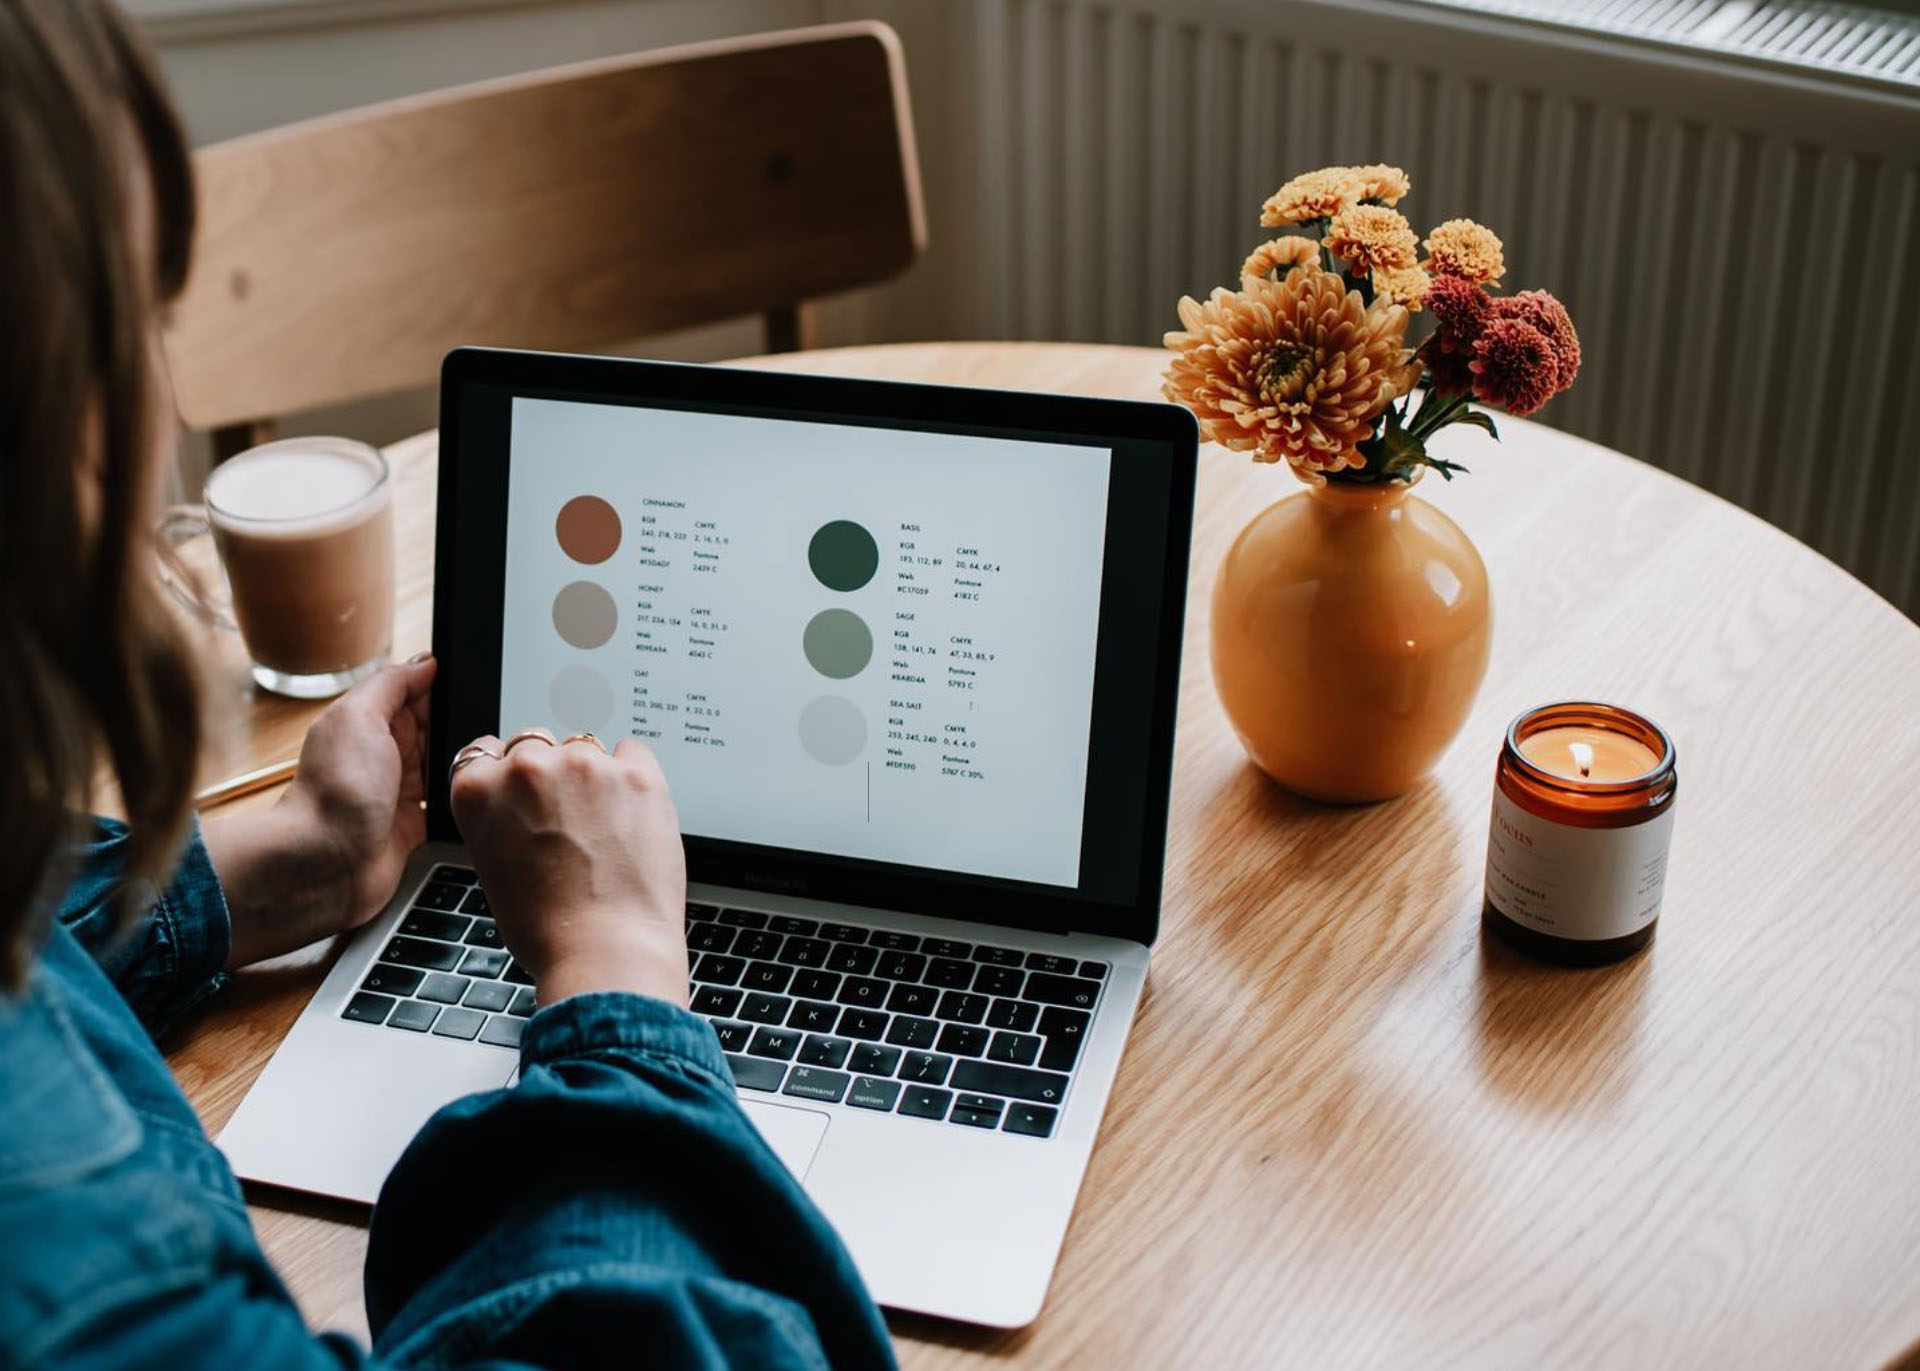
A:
304, 528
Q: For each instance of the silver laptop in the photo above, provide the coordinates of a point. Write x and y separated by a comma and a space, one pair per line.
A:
909, 657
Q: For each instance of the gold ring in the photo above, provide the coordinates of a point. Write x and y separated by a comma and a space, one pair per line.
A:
583, 738
528, 735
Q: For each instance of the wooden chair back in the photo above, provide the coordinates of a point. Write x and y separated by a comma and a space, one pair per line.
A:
565, 209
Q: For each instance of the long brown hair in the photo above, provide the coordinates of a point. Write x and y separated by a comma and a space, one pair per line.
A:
91, 663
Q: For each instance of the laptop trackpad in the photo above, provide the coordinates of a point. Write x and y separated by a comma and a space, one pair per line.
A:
793, 1134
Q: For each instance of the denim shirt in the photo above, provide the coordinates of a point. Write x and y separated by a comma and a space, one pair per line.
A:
613, 1207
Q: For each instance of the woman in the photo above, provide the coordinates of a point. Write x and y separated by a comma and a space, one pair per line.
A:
614, 1207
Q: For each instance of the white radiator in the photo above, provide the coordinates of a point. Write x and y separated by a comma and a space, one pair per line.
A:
1738, 238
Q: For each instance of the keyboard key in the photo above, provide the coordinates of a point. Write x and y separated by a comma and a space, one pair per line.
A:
1015, 1049
709, 938
952, 974
490, 996
902, 966
517, 974
913, 999
1017, 1015
863, 991
871, 1059
924, 1102
1034, 1120
716, 970
962, 1007
1066, 990
868, 1093
867, 1024
476, 904
458, 1023
756, 943
413, 1016
779, 1043
743, 918
365, 1007
1047, 961
484, 933
445, 989
392, 980
816, 1083
753, 1073
804, 952
1020, 1082
843, 933
1064, 1030
440, 895
484, 961
701, 913
1094, 970
813, 1016
815, 985
733, 1037
999, 956
768, 976
715, 1000
976, 1111
887, 940
946, 947
413, 952
523, 1003
427, 923
925, 1068
906, 1031
962, 1041
454, 875
998, 980
853, 959
819, 1051
502, 1032
786, 923
771, 1009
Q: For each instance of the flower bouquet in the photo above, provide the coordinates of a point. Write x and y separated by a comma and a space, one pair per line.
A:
1351, 622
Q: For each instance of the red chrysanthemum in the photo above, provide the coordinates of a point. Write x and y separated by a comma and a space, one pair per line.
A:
1448, 373
1461, 309
1545, 313
1514, 366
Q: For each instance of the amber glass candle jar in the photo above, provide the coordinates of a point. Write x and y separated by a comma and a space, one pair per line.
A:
1582, 819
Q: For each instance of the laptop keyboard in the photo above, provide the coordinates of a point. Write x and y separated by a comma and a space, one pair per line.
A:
838, 1013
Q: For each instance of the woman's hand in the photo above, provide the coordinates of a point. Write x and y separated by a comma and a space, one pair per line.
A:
580, 856
327, 857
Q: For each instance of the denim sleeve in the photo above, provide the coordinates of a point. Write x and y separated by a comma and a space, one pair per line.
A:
168, 955
615, 1202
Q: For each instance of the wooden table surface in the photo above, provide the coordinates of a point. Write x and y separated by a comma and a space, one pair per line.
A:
1348, 1132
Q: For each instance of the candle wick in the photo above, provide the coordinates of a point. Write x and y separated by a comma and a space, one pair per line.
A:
1582, 758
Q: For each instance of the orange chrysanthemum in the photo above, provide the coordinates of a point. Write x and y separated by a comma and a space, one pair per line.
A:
1382, 182
1311, 195
1281, 255
1370, 238
1402, 286
1297, 368
1465, 249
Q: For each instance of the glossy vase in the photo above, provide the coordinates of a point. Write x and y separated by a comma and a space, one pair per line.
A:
1350, 633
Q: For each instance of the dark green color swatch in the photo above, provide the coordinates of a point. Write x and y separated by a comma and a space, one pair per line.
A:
843, 555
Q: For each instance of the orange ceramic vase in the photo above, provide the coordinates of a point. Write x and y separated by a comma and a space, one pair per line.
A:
1350, 633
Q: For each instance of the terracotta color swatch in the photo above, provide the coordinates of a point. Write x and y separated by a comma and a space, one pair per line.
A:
588, 529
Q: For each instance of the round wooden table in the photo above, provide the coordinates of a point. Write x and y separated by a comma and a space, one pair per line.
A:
1349, 1132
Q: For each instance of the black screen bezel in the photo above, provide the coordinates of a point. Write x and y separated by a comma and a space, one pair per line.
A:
1137, 662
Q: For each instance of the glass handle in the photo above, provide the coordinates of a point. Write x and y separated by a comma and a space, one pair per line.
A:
177, 525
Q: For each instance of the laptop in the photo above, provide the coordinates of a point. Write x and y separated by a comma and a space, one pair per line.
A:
909, 656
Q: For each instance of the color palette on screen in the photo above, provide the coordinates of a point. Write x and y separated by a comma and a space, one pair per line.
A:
584, 614
838, 644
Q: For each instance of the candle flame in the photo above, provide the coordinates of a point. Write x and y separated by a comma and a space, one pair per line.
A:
1582, 757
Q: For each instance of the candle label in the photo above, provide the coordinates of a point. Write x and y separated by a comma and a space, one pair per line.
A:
1584, 883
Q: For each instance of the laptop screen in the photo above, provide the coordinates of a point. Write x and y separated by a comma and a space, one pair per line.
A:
849, 641
908, 647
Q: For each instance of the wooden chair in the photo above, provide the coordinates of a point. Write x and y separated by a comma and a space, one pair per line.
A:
565, 209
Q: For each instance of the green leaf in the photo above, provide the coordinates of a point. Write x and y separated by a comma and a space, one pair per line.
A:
1479, 419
